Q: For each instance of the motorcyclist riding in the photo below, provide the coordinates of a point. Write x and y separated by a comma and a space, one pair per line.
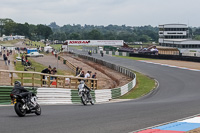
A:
18, 89
87, 88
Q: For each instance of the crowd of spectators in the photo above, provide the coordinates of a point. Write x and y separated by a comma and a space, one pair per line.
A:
82, 74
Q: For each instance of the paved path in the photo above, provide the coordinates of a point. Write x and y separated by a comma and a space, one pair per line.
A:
4, 77
52, 61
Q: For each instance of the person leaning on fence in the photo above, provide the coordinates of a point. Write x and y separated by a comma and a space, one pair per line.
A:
87, 75
82, 75
94, 76
77, 71
47, 71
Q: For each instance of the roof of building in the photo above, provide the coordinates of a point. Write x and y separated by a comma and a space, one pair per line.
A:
184, 42
173, 25
167, 48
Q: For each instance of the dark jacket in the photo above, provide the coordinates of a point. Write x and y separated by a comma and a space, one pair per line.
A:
18, 90
46, 71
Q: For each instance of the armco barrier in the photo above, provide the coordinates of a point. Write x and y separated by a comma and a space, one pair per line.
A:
169, 57
115, 53
5, 93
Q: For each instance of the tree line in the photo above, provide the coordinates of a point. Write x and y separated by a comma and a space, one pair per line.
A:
110, 32
33, 32
86, 32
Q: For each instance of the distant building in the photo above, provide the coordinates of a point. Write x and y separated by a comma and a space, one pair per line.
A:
176, 35
8, 38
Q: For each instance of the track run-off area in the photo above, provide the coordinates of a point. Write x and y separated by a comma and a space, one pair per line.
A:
177, 97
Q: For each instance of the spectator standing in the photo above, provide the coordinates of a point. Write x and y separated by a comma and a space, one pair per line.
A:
8, 61
82, 75
54, 71
77, 71
46, 71
15, 62
87, 75
7, 53
22, 59
94, 76
5, 59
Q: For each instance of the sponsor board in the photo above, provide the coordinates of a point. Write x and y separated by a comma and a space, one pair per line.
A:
96, 42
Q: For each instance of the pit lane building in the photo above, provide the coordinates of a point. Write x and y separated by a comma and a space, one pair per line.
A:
177, 36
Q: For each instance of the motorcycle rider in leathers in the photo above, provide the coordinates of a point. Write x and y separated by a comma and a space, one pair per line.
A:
18, 89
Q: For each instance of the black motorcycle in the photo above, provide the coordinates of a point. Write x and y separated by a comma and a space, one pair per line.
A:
22, 107
84, 93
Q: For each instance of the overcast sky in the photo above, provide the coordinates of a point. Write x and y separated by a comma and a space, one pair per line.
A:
102, 12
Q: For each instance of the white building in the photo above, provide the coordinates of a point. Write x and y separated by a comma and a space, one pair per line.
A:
8, 38
176, 35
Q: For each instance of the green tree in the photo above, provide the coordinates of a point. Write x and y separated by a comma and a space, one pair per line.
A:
43, 31
74, 36
144, 38
9, 27
95, 35
2, 25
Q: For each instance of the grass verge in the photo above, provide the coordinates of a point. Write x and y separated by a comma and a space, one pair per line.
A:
144, 85
56, 46
77, 47
133, 58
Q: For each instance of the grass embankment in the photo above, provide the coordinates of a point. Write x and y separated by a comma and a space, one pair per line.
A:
77, 47
144, 84
57, 47
11, 41
34, 43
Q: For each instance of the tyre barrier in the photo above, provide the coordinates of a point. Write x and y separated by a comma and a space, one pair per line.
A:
5, 93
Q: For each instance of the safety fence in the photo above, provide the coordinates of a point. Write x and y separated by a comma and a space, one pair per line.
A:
38, 79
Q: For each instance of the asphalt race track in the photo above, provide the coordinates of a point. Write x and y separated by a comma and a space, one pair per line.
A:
178, 96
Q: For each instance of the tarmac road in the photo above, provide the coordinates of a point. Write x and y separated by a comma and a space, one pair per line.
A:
176, 97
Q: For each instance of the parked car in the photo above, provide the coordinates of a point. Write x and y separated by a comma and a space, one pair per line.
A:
35, 54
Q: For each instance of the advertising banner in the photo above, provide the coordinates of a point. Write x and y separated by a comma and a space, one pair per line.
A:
96, 42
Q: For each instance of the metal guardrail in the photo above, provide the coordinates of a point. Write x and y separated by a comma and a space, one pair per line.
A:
120, 69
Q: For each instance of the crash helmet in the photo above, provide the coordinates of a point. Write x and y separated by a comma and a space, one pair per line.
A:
17, 83
82, 82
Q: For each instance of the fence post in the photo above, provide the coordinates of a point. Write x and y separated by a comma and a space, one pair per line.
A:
22, 79
48, 81
64, 82
11, 78
33, 75
41, 76
56, 82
